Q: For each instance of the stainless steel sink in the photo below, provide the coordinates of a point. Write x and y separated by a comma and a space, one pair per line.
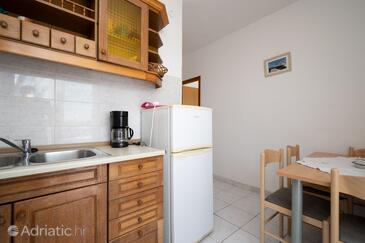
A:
61, 156
8, 161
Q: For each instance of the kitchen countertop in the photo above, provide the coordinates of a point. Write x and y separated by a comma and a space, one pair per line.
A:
115, 155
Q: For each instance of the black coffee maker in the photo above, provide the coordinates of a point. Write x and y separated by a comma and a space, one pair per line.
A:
120, 133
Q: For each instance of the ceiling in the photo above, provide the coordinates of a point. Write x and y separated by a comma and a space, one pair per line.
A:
205, 21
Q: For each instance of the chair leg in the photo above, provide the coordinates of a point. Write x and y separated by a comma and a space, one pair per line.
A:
281, 226
325, 232
289, 226
262, 225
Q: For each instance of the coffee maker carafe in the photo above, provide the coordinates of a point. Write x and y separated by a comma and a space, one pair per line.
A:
120, 133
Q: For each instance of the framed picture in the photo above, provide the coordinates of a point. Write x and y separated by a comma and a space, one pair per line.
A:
278, 64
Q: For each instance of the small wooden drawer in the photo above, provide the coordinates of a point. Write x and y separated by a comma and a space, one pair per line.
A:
62, 41
145, 234
38, 185
135, 167
130, 204
9, 26
128, 186
130, 222
85, 47
35, 33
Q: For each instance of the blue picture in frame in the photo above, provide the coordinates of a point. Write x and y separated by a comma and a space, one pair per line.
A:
277, 65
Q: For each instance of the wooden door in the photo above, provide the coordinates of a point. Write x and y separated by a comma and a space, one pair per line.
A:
190, 96
5, 222
123, 33
79, 214
191, 92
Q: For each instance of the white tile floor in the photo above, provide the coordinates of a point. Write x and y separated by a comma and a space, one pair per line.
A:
236, 217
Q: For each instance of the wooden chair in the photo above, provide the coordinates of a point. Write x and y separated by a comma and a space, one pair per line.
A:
346, 227
316, 211
293, 155
360, 153
356, 152
292, 152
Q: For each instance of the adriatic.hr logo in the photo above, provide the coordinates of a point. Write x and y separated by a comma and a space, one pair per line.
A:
13, 230
57, 231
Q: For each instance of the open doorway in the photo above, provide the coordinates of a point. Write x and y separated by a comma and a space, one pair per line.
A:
191, 91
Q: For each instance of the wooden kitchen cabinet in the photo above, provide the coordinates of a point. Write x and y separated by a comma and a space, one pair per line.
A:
136, 201
117, 203
5, 222
82, 210
113, 36
123, 33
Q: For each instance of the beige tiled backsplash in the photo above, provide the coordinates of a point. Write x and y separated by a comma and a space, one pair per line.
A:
56, 104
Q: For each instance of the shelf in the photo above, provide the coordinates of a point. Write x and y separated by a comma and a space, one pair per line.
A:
72, 8
158, 18
154, 21
154, 39
153, 56
153, 49
28, 50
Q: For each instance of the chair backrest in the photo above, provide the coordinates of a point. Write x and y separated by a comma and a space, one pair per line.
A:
292, 155
351, 185
270, 156
292, 152
356, 152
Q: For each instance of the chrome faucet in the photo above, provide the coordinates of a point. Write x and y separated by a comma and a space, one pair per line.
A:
26, 148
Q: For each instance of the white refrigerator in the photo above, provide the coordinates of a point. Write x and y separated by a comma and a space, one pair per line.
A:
185, 133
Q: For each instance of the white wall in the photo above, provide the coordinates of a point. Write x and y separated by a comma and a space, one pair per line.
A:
319, 105
54, 104
171, 35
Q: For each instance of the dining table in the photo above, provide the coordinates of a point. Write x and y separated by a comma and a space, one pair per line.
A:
300, 174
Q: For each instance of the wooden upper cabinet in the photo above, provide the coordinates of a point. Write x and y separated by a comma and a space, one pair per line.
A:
123, 33
83, 211
113, 36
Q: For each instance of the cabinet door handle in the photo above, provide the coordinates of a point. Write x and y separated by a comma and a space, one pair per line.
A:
63, 40
140, 184
140, 166
139, 202
2, 221
20, 215
35, 33
140, 233
86, 46
140, 220
103, 51
4, 24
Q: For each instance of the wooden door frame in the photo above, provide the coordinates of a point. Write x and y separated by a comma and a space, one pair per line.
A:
192, 80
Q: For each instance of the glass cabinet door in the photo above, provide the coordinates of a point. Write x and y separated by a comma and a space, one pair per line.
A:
123, 32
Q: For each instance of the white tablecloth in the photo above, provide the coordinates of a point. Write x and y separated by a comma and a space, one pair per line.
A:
344, 165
